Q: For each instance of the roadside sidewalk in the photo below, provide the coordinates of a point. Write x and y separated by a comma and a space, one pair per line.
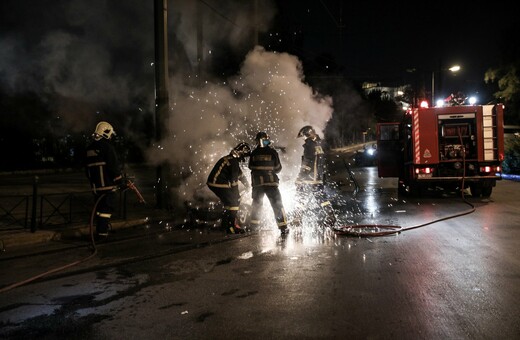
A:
52, 190
24, 239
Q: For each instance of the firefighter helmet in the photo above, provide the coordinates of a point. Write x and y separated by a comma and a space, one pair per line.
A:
103, 130
306, 131
241, 150
262, 138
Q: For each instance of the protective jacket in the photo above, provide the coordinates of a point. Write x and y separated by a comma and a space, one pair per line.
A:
264, 163
102, 166
227, 173
313, 162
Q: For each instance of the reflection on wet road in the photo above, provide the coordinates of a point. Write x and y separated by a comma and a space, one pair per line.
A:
456, 279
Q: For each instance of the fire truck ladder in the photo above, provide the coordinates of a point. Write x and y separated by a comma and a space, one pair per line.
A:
490, 133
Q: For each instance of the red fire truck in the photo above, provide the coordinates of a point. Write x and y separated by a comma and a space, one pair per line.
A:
449, 148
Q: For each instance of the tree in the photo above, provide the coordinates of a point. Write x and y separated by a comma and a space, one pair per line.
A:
506, 77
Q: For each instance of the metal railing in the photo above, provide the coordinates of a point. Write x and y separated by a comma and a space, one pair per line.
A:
14, 211
51, 211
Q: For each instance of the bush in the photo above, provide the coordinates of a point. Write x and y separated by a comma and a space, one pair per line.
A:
511, 164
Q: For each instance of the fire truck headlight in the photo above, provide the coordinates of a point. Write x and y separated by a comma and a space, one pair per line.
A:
457, 165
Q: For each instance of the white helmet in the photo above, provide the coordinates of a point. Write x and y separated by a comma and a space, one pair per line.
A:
103, 130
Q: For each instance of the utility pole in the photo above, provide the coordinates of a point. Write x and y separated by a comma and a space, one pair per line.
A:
256, 23
200, 42
161, 97
433, 89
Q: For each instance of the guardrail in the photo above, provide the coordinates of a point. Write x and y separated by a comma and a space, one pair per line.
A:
52, 211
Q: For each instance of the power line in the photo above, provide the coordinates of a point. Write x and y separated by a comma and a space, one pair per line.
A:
338, 25
220, 14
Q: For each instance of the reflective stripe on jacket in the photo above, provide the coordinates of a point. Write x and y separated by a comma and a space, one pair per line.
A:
264, 163
226, 173
313, 162
102, 166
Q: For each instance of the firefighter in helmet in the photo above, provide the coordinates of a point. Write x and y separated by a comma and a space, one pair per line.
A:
265, 165
309, 182
104, 174
223, 181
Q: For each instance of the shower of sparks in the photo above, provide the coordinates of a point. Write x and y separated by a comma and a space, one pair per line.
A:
268, 95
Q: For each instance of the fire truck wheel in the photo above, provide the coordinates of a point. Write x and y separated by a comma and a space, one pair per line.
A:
476, 189
415, 189
486, 191
401, 189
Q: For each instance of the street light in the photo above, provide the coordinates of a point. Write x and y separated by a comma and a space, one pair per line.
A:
453, 69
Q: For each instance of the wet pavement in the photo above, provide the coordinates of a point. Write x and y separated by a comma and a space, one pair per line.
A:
453, 273
457, 278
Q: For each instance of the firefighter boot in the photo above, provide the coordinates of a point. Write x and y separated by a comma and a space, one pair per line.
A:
226, 223
237, 228
230, 224
284, 231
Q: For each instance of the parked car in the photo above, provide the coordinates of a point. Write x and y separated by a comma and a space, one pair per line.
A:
366, 156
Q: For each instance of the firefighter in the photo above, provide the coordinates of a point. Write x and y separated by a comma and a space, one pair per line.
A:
265, 166
223, 181
104, 174
309, 182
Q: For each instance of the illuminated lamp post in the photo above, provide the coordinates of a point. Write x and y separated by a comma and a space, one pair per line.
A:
453, 69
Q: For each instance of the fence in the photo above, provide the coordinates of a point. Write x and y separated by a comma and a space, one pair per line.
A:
52, 211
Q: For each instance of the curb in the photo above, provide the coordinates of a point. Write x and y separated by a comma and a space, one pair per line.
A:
19, 239
23, 238
83, 231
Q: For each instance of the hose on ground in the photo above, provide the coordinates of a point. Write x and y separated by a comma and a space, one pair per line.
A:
54, 270
384, 230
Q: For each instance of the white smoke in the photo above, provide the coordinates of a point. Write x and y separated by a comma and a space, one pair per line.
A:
269, 94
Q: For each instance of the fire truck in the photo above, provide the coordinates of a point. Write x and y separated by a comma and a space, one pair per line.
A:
450, 148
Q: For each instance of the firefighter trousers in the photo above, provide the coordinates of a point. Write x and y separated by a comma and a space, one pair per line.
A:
275, 198
230, 198
104, 210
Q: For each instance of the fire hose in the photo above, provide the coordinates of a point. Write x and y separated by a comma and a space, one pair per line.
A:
366, 230
130, 185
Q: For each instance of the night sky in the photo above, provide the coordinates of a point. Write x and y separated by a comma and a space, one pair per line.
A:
381, 40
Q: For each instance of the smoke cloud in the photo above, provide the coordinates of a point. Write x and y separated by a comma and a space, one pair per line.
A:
81, 57
269, 94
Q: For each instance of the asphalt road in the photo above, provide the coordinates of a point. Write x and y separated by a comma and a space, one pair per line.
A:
452, 273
